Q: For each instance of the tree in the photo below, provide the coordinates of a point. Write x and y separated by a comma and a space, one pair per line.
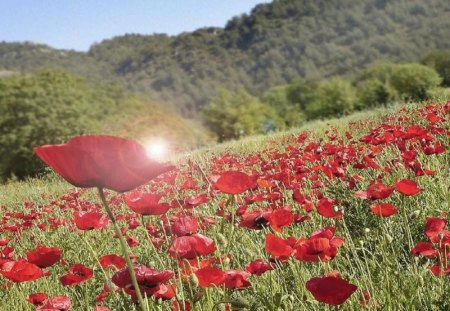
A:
414, 81
301, 93
290, 112
373, 92
48, 106
334, 97
235, 114
440, 61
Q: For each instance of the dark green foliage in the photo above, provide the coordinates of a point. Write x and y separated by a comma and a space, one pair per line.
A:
290, 111
333, 97
386, 82
235, 114
278, 43
37, 109
373, 92
440, 61
301, 93
413, 81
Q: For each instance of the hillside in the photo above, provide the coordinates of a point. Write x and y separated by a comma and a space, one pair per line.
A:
275, 44
351, 215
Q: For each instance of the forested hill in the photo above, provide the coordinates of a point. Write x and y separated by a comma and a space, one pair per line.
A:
275, 44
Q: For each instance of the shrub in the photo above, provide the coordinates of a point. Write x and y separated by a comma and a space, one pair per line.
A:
333, 97
235, 114
373, 92
439, 61
414, 81
290, 112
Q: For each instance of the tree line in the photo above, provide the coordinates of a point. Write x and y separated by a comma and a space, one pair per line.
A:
235, 113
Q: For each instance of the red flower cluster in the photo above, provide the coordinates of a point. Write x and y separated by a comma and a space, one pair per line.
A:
322, 246
438, 245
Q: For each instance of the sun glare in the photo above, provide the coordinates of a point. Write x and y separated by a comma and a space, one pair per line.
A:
157, 149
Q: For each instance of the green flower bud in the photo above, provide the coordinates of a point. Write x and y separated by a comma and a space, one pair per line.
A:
193, 280
239, 303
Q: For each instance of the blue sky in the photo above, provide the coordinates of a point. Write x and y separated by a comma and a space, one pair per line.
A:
76, 24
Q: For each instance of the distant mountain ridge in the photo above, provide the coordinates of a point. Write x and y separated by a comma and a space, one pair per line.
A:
276, 43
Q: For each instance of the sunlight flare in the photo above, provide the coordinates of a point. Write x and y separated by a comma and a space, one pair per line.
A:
157, 149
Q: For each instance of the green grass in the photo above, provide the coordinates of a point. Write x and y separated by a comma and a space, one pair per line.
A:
375, 256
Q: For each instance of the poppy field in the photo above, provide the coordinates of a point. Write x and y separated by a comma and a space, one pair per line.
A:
351, 217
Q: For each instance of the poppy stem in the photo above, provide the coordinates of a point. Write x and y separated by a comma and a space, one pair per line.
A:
124, 249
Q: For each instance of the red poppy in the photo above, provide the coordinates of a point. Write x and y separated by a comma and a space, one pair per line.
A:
90, 220
235, 182
258, 267
322, 245
21, 271
132, 241
37, 298
278, 247
435, 227
112, 260
255, 220
326, 208
407, 187
59, 303
441, 268
43, 256
101, 161
383, 209
186, 225
330, 290
145, 203
197, 200
425, 249
236, 279
280, 218
375, 191
210, 276
190, 247
77, 273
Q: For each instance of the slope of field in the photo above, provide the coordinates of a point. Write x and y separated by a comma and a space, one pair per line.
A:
351, 213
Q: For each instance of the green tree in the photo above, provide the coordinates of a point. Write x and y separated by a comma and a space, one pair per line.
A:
48, 106
440, 61
290, 112
333, 97
414, 81
301, 93
373, 92
235, 114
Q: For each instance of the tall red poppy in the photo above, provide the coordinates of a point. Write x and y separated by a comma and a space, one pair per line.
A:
77, 273
191, 246
145, 203
330, 290
383, 209
101, 161
375, 191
